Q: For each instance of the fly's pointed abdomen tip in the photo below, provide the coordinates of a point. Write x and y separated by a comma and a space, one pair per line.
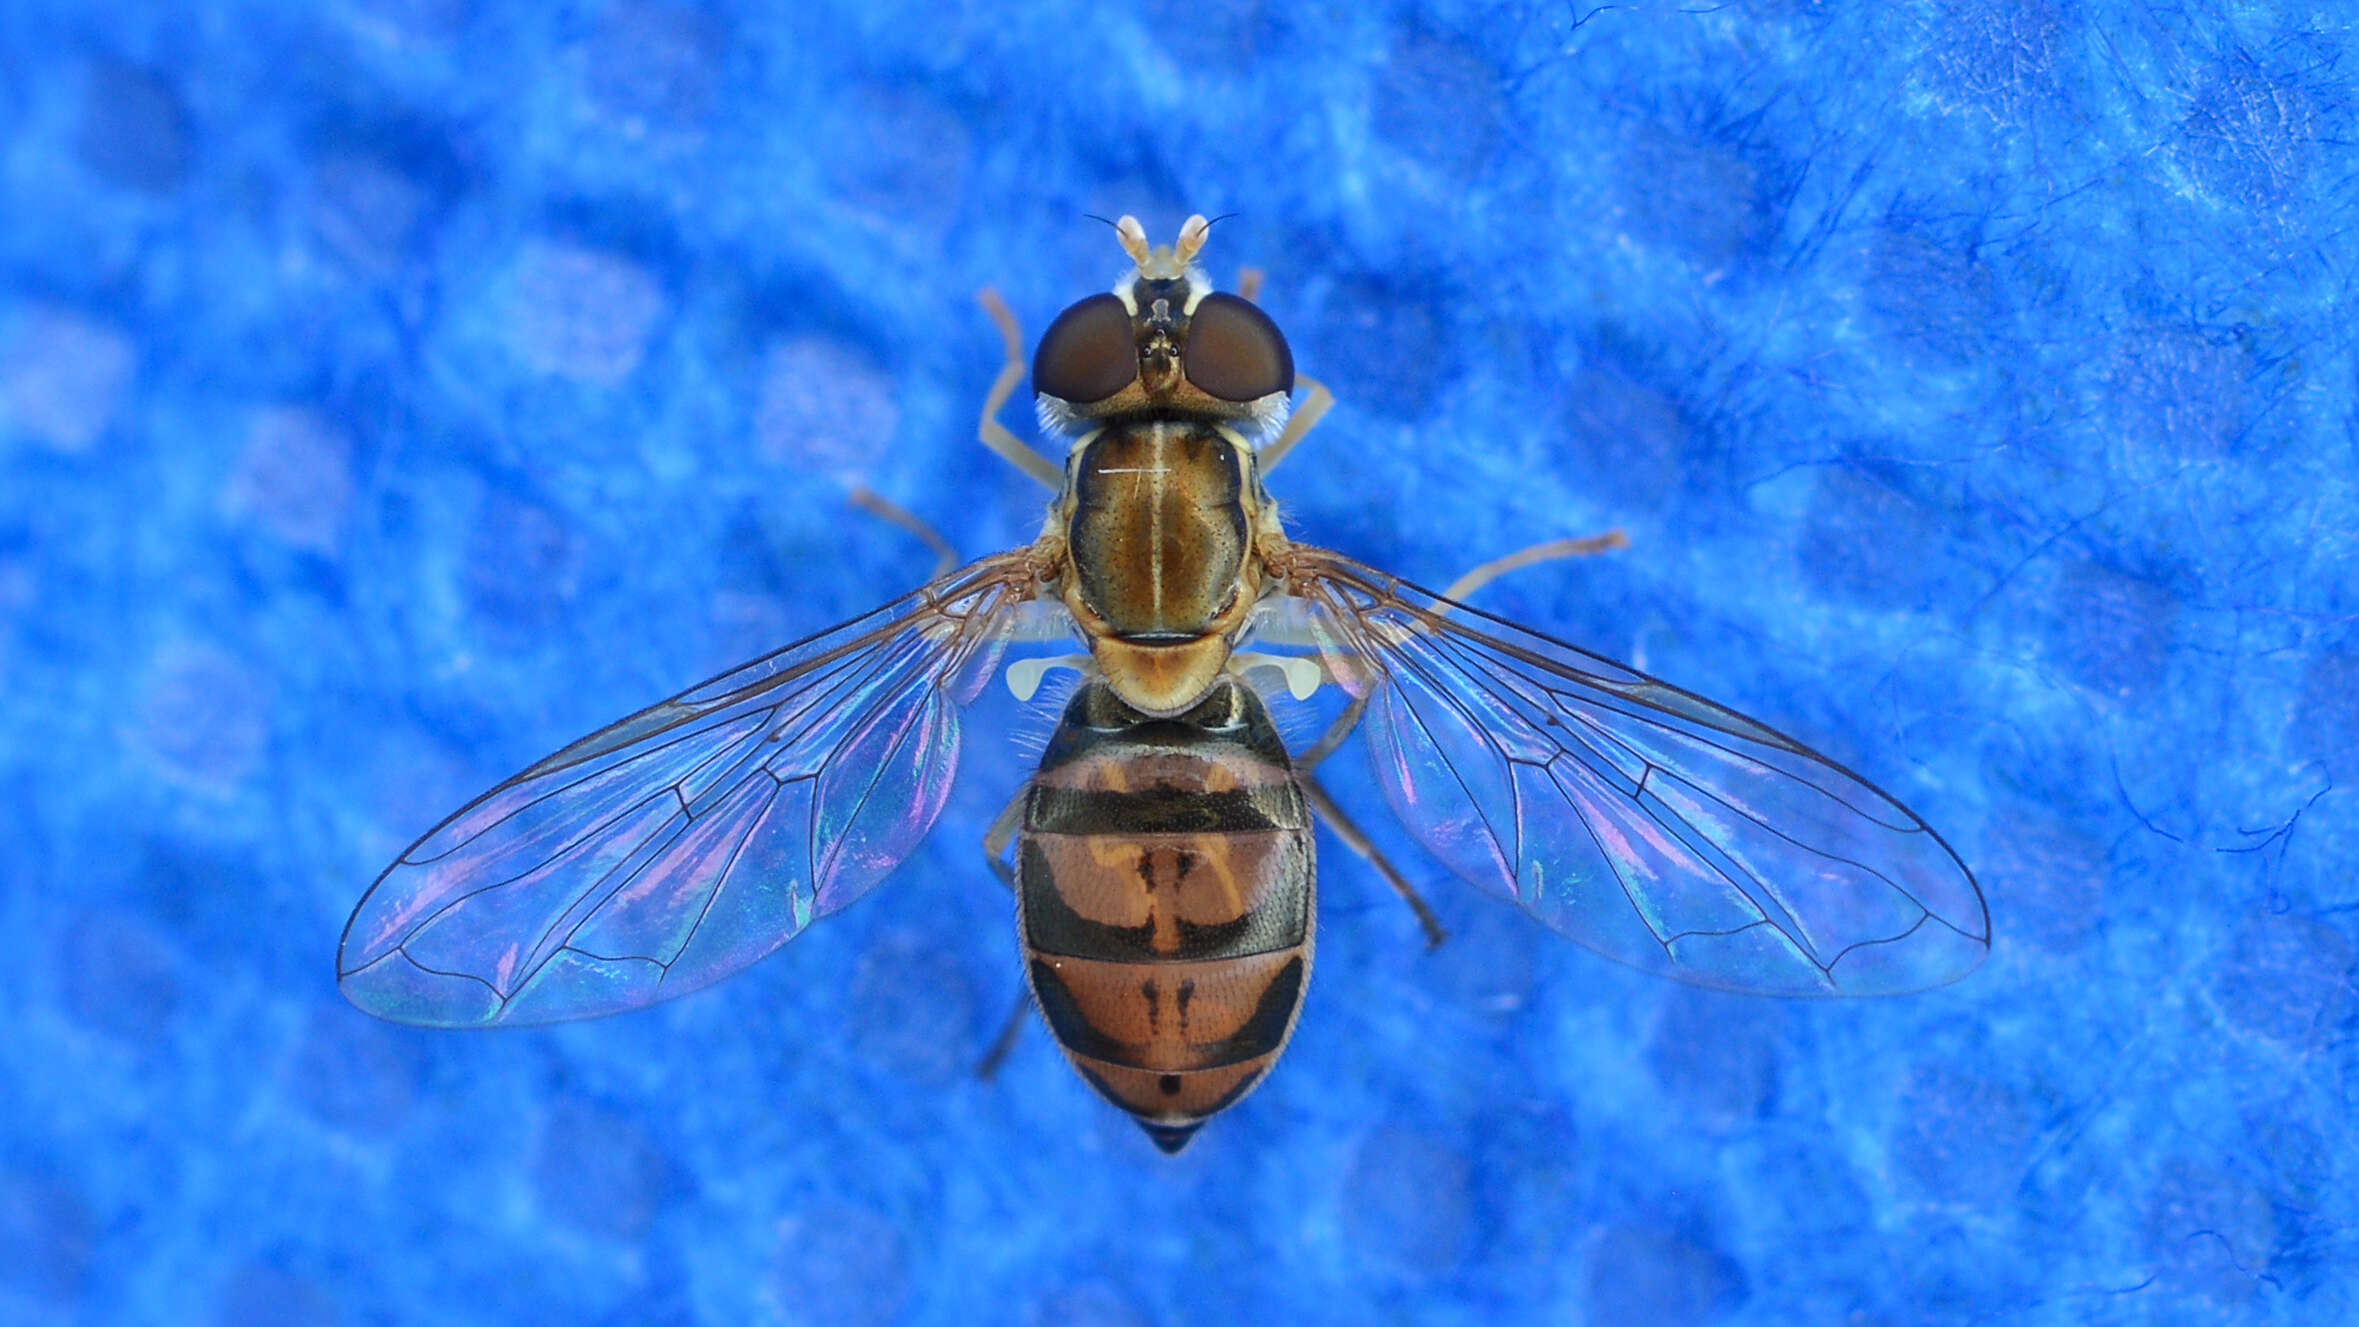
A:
1171, 1137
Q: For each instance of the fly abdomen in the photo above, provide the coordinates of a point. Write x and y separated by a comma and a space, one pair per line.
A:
1151, 897
1165, 879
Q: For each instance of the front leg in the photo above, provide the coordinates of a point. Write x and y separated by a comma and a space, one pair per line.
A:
988, 429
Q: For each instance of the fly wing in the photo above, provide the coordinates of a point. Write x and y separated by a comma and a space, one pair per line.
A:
669, 850
1641, 821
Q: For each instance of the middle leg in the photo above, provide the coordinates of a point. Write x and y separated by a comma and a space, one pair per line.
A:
1459, 589
885, 509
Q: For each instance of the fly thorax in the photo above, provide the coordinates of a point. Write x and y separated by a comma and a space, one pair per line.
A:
1158, 531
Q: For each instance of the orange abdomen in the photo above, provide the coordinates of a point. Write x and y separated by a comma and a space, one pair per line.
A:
1165, 880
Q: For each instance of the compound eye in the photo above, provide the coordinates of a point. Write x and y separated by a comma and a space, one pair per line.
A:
1088, 353
1235, 352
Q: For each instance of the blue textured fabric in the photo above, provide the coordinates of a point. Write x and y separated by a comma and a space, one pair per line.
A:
393, 390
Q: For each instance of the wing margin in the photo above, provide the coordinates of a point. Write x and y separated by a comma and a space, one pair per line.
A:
684, 842
1633, 817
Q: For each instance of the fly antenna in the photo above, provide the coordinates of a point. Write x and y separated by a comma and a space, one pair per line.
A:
1191, 239
1134, 240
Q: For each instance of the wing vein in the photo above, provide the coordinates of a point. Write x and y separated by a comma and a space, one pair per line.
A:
593, 865
1712, 826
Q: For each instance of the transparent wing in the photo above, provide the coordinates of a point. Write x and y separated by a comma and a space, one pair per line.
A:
1646, 823
671, 849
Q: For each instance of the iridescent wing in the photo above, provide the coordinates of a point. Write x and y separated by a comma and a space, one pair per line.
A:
1648, 824
667, 851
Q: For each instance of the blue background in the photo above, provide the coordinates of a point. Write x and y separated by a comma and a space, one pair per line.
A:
392, 390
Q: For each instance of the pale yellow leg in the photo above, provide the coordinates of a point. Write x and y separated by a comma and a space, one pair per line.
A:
1459, 589
1316, 402
945, 557
989, 430
1548, 552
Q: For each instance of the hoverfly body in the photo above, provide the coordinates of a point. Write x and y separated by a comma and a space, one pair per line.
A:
1162, 853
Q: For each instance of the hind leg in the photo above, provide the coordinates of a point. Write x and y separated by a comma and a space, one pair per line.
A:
1005, 1043
1356, 839
995, 842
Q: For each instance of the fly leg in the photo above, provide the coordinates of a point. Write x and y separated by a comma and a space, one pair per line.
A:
1316, 401
1547, 552
988, 1067
945, 557
1346, 829
1336, 732
995, 841
1354, 838
1459, 589
1001, 833
988, 429
1324, 806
